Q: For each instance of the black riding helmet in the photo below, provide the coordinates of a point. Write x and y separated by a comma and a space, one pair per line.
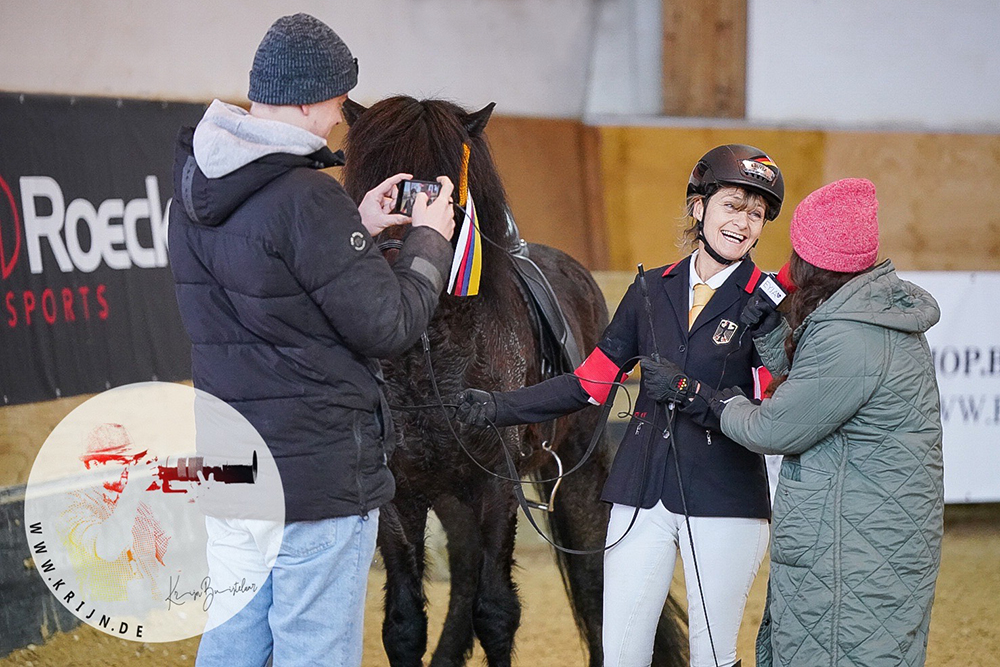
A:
741, 166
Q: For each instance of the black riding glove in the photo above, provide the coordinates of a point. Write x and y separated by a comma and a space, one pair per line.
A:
718, 399
666, 382
476, 407
760, 315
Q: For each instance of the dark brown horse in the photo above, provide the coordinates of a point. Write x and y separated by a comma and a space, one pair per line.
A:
486, 341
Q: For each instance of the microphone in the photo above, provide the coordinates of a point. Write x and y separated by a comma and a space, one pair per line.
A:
768, 290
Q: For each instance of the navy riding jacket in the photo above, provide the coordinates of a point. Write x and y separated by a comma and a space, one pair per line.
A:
719, 477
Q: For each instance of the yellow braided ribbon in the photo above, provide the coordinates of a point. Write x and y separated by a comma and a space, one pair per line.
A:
463, 179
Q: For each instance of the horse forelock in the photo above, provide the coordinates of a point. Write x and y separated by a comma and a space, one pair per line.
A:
424, 138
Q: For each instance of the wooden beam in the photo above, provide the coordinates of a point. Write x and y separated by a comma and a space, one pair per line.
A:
704, 58
593, 198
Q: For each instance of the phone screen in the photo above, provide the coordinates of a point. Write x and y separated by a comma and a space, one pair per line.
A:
408, 191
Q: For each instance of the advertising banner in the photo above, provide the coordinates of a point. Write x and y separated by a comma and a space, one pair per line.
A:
966, 349
86, 295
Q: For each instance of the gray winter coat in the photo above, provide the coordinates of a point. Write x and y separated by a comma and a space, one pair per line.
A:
857, 521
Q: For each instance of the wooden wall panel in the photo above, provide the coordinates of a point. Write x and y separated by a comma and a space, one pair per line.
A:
934, 190
936, 195
705, 58
646, 172
543, 166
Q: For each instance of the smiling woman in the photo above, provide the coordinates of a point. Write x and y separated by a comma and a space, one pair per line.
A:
731, 221
682, 484
733, 190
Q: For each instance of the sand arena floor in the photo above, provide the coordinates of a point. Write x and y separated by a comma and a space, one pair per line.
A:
964, 627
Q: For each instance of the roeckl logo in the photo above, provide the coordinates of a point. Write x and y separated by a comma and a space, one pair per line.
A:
10, 231
115, 230
112, 226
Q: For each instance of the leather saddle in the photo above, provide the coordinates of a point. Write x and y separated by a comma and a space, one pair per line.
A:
559, 348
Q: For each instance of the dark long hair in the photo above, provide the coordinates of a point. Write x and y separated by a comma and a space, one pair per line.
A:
813, 286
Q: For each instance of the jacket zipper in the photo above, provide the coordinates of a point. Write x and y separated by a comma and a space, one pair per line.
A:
708, 436
837, 552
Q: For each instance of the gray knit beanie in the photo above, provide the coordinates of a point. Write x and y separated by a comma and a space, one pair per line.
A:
301, 60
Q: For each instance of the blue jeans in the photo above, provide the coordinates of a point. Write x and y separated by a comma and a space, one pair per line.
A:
310, 609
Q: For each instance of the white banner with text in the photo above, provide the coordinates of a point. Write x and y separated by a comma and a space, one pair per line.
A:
966, 348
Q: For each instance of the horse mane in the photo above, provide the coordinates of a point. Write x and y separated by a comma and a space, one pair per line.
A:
424, 138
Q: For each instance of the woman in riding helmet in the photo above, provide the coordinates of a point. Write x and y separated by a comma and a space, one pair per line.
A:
855, 412
677, 480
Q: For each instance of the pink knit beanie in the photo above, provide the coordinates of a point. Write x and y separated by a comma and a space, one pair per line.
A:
836, 227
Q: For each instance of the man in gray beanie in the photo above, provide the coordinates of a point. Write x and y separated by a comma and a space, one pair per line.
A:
289, 305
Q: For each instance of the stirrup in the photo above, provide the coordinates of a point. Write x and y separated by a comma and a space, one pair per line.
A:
550, 506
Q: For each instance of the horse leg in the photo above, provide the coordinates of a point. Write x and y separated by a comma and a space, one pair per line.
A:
401, 543
465, 558
579, 521
496, 611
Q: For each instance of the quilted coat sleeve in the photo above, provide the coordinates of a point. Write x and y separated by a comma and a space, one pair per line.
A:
836, 369
771, 348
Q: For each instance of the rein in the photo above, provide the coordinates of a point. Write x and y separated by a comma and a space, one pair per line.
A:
512, 467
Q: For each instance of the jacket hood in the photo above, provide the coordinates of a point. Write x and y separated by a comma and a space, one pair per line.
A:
233, 146
880, 297
228, 138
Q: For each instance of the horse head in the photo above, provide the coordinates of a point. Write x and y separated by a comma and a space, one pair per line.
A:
426, 138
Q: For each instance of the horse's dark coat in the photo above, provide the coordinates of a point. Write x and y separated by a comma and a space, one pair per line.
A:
487, 342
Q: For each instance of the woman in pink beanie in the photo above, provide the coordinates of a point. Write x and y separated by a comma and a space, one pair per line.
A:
857, 518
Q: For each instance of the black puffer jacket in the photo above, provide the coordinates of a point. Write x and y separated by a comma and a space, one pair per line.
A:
288, 303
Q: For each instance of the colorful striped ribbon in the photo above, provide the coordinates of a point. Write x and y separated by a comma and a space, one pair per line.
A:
467, 266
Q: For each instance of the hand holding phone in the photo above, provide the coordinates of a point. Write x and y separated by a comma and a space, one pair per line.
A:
439, 214
376, 207
408, 190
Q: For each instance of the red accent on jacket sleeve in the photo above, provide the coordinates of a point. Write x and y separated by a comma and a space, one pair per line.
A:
761, 379
785, 278
596, 373
754, 279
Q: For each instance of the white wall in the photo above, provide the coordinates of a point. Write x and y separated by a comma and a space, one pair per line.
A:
528, 55
626, 59
929, 64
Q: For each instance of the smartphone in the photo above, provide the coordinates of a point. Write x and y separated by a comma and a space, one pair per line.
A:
407, 193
